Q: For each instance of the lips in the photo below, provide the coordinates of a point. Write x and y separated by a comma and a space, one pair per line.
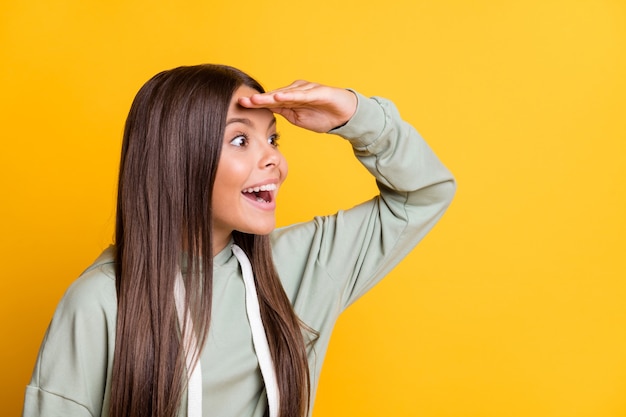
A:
260, 194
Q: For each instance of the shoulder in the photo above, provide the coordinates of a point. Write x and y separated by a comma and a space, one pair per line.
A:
77, 351
298, 241
94, 291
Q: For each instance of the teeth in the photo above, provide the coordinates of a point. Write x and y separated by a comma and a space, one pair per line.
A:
267, 187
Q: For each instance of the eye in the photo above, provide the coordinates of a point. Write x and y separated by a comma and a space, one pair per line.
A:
273, 140
239, 140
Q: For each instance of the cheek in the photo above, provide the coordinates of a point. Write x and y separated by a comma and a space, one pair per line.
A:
231, 172
283, 168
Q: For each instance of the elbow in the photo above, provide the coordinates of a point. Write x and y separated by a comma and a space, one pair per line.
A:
446, 191
438, 195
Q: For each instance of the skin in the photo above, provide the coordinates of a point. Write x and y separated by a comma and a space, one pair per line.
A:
250, 157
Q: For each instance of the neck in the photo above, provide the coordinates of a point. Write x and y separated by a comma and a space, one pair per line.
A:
219, 243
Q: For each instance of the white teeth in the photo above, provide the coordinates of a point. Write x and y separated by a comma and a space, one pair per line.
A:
266, 187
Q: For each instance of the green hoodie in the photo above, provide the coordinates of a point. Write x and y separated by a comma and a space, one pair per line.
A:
324, 265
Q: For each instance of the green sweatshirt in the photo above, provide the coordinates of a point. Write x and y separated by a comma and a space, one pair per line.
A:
324, 264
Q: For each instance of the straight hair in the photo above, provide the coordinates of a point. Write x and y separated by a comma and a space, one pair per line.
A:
170, 152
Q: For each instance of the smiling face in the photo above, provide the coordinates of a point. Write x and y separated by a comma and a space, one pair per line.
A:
249, 173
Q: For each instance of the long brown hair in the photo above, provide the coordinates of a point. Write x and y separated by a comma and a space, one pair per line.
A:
171, 148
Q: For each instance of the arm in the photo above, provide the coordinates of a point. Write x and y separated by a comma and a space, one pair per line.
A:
415, 190
357, 247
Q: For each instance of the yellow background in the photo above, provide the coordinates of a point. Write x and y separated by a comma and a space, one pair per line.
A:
515, 305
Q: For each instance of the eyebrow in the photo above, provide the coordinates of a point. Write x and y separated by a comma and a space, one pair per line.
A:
247, 121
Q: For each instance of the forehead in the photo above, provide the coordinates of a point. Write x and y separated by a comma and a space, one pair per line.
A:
262, 116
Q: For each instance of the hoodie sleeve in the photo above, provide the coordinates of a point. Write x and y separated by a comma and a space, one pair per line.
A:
349, 252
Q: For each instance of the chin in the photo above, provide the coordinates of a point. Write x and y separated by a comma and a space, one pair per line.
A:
265, 231
261, 231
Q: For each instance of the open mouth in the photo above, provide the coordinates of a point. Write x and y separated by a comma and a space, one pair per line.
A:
261, 194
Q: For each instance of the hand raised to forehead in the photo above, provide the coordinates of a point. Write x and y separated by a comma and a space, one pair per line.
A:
308, 105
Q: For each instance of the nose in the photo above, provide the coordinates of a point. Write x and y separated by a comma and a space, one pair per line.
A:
270, 157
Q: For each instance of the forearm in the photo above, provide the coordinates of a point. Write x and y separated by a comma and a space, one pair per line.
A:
394, 152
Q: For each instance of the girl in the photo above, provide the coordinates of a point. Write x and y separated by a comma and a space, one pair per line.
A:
201, 308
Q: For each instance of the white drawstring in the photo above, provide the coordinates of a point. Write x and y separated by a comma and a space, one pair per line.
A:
190, 344
259, 340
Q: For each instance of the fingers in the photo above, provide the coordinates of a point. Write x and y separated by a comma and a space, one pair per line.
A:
301, 85
297, 93
309, 105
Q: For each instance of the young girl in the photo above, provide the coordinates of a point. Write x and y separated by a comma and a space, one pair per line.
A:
201, 308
